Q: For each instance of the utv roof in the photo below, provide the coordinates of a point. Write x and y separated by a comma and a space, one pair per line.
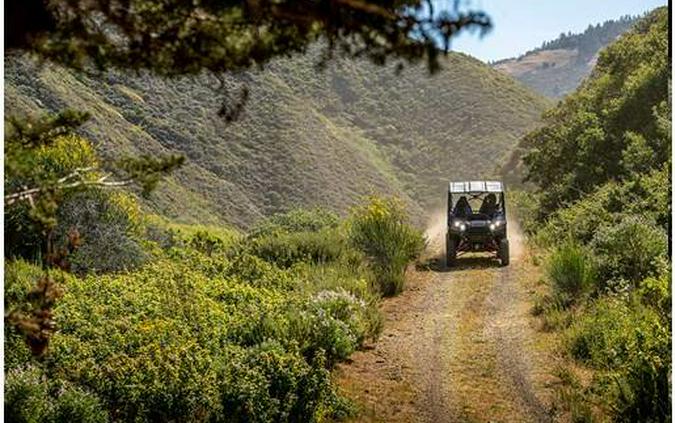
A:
475, 187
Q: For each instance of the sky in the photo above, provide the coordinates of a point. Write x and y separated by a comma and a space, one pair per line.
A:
521, 25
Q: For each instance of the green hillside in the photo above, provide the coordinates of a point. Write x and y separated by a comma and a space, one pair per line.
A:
305, 138
557, 67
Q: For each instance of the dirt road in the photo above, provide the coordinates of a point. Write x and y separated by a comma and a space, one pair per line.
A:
458, 345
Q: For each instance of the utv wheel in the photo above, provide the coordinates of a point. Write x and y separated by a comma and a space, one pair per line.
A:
503, 252
450, 251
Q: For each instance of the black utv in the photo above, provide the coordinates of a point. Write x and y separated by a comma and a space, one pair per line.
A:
476, 220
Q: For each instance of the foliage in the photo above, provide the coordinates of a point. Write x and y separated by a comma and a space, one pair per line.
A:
177, 37
570, 271
632, 250
634, 341
285, 250
46, 165
104, 221
601, 165
297, 220
45, 161
204, 331
38, 154
590, 137
656, 294
211, 348
612, 330
27, 399
380, 229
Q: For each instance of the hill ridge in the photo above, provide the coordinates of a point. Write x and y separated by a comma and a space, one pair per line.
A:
305, 137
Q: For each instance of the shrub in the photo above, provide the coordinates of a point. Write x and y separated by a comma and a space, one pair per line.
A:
27, 167
287, 249
206, 243
630, 345
613, 331
196, 337
570, 271
269, 383
334, 322
632, 250
580, 220
655, 293
28, 399
214, 328
644, 388
26, 396
381, 230
298, 220
106, 222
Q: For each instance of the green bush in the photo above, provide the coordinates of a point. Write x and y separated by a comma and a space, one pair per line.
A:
107, 222
570, 271
28, 399
579, 221
381, 230
201, 334
630, 251
656, 293
298, 220
613, 331
268, 383
644, 388
287, 249
629, 344
334, 322
28, 167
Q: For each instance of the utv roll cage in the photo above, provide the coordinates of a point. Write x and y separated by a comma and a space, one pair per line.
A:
476, 220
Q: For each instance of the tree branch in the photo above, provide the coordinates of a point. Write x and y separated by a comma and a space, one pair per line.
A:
64, 183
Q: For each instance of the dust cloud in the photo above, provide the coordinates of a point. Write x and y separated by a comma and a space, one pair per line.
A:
435, 232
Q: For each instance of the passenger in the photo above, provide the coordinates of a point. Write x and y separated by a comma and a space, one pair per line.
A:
463, 208
489, 206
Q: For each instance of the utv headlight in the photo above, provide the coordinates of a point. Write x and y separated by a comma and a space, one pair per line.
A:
493, 226
462, 227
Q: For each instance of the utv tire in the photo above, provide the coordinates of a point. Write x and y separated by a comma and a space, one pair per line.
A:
503, 252
450, 251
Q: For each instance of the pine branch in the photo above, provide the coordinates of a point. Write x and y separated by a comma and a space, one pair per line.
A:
76, 179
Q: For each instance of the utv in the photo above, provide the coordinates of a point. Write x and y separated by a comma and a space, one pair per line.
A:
482, 230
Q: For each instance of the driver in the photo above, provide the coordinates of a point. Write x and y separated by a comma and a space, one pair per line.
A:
463, 208
489, 206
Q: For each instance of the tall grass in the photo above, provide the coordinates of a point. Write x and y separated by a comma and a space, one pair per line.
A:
381, 230
571, 271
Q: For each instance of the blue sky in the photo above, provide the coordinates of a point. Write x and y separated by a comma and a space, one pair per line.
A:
522, 25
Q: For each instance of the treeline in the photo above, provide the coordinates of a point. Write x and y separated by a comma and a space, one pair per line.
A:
592, 39
117, 315
602, 167
589, 42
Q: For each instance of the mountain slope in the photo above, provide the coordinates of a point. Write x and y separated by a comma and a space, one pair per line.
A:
305, 137
558, 66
